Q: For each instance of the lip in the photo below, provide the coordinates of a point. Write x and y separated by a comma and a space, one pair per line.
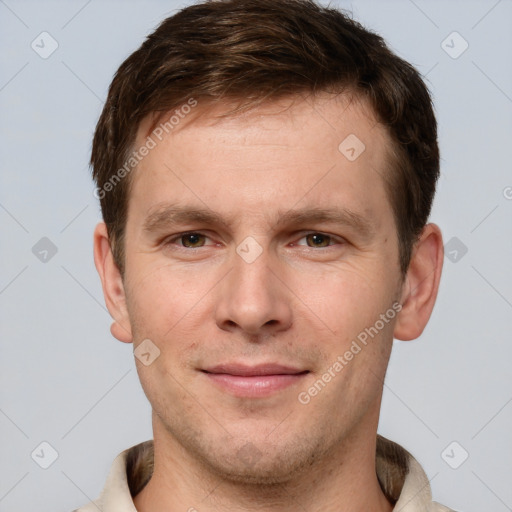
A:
254, 381
244, 370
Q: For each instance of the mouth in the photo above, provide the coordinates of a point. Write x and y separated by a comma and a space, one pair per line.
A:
254, 381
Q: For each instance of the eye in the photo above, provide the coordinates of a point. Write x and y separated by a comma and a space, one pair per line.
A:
190, 240
193, 240
319, 240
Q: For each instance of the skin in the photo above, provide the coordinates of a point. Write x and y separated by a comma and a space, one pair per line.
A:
301, 303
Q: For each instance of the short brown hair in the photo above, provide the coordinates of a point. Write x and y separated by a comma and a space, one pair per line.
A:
259, 50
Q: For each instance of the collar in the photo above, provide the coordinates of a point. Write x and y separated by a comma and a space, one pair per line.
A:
401, 477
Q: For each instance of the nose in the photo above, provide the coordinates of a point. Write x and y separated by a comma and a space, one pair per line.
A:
253, 299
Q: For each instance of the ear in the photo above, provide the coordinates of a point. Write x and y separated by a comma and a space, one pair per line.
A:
421, 284
112, 283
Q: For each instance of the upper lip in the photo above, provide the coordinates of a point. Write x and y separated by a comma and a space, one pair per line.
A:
243, 370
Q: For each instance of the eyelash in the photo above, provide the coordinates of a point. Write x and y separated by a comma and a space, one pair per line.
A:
333, 240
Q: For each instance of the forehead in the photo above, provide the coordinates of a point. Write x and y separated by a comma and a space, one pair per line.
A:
278, 149
324, 111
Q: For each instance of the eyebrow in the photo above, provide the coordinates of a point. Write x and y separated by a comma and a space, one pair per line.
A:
169, 215
338, 216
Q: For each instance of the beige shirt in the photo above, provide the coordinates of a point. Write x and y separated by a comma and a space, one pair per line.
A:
401, 477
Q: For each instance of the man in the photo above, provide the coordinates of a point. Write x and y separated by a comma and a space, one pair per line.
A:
266, 170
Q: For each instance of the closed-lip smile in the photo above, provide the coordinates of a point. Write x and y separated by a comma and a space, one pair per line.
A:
254, 381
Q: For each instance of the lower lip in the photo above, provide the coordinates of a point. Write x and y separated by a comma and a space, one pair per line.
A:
254, 386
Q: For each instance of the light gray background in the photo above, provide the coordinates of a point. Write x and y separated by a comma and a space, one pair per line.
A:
65, 381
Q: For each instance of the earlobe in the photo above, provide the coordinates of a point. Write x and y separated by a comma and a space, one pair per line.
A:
112, 283
421, 284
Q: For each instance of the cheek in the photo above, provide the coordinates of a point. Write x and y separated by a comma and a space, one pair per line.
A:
345, 299
162, 299
161, 303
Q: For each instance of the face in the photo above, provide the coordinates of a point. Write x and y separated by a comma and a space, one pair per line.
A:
258, 253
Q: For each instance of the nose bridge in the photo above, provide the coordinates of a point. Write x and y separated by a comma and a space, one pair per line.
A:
252, 298
252, 276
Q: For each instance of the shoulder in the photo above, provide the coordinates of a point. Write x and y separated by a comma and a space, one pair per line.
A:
128, 474
403, 480
93, 506
437, 507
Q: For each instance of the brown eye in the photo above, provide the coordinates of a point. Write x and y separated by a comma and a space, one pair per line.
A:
318, 240
193, 240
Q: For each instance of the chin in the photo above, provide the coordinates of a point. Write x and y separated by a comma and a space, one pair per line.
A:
252, 464
253, 457
264, 472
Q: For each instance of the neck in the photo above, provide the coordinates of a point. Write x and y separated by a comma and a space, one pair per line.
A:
345, 479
